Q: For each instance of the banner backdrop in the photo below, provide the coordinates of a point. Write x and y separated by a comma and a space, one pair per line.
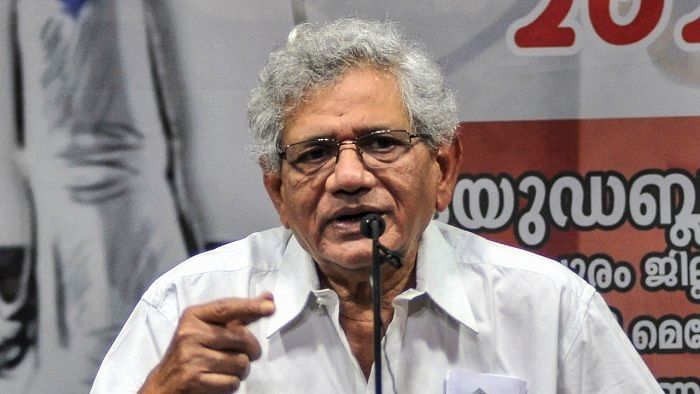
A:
123, 148
611, 199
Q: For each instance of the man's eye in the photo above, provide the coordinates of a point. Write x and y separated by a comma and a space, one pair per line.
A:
382, 143
314, 154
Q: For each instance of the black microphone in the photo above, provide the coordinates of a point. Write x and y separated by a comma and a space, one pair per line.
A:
372, 226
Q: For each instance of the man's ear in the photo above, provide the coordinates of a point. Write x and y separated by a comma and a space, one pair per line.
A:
448, 158
273, 185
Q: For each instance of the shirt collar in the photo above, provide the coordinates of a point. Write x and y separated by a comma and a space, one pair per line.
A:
296, 278
440, 276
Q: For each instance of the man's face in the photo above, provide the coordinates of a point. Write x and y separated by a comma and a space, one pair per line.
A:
324, 209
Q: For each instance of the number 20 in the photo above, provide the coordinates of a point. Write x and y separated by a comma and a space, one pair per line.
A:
551, 28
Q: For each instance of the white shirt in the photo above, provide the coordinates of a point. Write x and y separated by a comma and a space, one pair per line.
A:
477, 306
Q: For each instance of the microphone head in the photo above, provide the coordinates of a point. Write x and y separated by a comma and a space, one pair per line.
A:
372, 225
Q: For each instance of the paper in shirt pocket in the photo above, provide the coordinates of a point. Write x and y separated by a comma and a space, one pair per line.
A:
466, 382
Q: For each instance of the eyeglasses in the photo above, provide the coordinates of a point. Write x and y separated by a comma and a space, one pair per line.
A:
382, 147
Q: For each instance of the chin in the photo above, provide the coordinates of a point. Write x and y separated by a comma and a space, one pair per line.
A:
343, 251
357, 262
354, 261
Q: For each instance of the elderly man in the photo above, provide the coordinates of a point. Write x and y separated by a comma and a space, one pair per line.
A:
351, 119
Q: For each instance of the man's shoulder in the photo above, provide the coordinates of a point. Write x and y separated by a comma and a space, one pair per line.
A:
261, 251
477, 253
229, 266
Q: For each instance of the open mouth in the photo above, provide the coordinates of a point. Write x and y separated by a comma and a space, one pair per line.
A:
351, 218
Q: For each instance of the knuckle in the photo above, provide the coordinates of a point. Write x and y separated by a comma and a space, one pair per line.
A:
188, 313
238, 336
234, 327
244, 365
243, 340
185, 333
179, 355
235, 383
190, 378
243, 360
188, 318
254, 351
254, 354
228, 384
218, 308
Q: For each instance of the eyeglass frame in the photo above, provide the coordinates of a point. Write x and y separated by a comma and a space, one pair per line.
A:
282, 150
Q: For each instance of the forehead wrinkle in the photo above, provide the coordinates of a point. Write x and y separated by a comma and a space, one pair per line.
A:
335, 108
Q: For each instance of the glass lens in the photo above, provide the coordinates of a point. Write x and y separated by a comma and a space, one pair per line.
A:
385, 146
309, 155
375, 149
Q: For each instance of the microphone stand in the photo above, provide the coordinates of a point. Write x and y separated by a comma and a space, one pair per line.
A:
376, 280
372, 226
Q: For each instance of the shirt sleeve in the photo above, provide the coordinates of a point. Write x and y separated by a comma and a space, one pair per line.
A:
601, 358
137, 349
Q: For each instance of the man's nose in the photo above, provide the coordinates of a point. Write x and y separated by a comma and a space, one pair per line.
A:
349, 174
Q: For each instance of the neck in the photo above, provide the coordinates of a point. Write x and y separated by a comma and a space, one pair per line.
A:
356, 312
355, 292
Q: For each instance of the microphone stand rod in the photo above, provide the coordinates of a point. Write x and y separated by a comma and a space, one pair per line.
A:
376, 304
372, 226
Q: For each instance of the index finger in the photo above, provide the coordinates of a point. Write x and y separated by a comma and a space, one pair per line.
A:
224, 310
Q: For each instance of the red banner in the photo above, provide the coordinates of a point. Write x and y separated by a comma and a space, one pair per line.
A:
612, 199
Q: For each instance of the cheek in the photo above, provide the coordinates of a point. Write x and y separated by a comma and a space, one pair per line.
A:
414, 190
301, 198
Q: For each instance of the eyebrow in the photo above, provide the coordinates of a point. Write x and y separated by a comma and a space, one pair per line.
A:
359, 132
363, 131
367, 130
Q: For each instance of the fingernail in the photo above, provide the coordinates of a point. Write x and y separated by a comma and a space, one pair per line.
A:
267, 307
